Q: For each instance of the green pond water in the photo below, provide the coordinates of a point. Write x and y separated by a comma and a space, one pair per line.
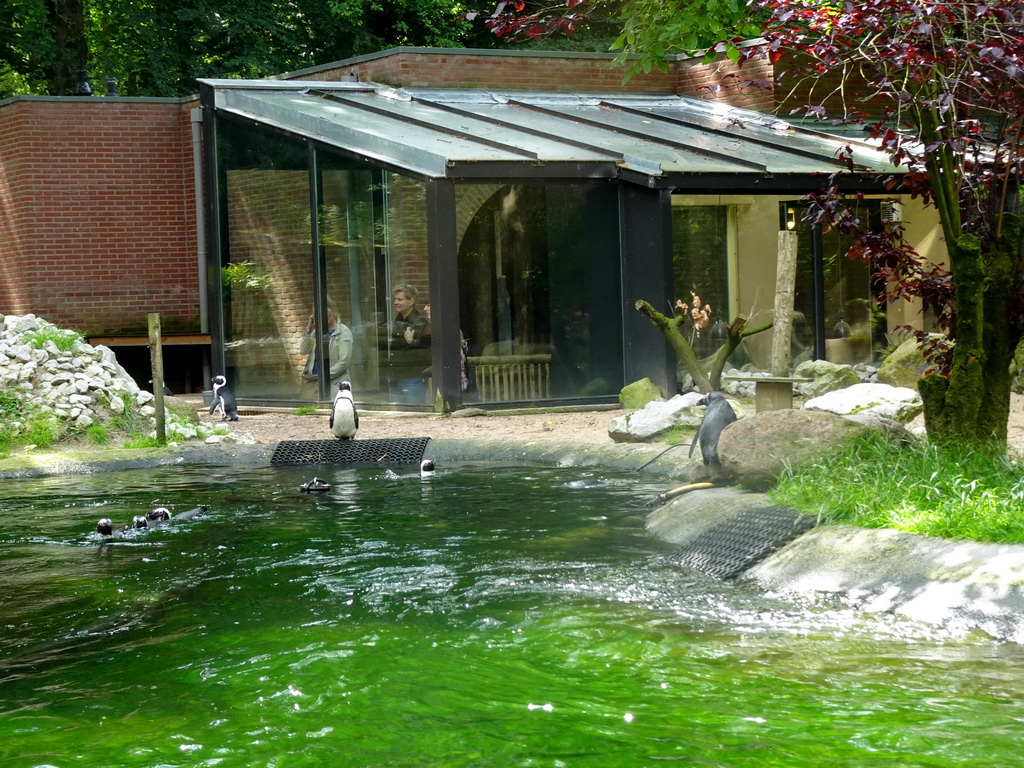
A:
488, 616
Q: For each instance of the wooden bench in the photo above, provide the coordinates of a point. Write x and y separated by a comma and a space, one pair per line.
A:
501, 378
143, 341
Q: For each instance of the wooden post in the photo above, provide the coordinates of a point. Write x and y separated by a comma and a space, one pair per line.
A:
785, 281
156, 356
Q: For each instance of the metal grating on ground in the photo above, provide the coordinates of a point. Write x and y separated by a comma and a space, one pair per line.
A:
377, 452
730, 548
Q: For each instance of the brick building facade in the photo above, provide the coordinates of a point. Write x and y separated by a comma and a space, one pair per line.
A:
98, 195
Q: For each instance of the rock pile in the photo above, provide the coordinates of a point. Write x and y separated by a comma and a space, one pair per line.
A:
51, 372
63, 375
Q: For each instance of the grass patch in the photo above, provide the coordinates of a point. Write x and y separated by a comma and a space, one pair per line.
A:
954, 493
144, 441
679, 434
306, 410
63, 339
22, 423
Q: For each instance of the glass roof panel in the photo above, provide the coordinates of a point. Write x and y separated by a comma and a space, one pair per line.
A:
469, 132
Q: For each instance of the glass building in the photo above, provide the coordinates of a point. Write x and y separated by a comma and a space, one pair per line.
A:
488, 248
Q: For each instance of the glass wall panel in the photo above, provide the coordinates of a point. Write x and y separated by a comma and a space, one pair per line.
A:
374, 238
700, 265
539, 290
371, 232
266, 264
854, 324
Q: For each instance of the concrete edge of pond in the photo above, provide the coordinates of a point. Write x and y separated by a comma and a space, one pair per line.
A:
960, 585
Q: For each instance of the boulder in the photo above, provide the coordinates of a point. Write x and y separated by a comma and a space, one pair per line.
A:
639, 393
904, 366
656, 418
826, 377
900, 404
755, 450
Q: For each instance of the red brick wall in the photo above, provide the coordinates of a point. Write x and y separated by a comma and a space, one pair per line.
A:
98, 213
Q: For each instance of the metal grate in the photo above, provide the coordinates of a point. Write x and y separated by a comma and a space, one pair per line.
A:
385, 451
730, 548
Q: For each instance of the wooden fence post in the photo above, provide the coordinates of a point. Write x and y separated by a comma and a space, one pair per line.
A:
156, 356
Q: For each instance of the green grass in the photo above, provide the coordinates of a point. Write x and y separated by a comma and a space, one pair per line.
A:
305, 410
65, 340
954, 493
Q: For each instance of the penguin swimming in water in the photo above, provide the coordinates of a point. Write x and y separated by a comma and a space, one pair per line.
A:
105, 527
140, 523
718, 415
315, 485
344, 418
159, 514
223, 400
426, 468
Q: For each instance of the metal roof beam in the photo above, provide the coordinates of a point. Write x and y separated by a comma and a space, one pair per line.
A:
640, 135
428, 125
777, 146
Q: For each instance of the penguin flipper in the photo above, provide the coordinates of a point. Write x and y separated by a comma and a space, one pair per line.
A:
355, 417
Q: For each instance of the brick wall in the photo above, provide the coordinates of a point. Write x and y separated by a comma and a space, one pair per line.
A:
98, 214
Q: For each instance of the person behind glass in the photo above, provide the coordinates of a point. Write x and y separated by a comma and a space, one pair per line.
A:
423, 340
339, 350
407, 353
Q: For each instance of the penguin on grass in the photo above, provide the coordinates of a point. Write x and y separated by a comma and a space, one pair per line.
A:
223, 400
344, 417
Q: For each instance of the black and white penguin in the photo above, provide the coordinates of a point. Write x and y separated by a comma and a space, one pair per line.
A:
718, 415
316, 485
160, 514
344, 418
223, 400
105, 527
426, 468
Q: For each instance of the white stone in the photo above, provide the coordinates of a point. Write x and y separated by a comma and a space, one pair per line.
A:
900, 404
83, 420
657, 417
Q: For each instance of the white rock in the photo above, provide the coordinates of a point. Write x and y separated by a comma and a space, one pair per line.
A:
656, 417
900, 404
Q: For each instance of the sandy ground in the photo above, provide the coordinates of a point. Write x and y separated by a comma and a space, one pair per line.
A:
589, 427
272, 426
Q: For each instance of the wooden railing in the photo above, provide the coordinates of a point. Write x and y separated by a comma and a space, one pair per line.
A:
501, 378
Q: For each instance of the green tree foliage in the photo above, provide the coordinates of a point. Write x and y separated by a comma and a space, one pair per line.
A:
157, 48
649, 30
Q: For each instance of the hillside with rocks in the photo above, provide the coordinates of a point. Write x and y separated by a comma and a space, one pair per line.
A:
55, 386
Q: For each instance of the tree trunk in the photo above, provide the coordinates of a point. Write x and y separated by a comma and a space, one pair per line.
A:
973, 405
66, 19
707, 373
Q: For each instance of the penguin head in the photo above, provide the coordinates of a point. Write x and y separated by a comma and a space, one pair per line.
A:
139, 521
160, 513
105, 526
219, 381
427, 467
344, 386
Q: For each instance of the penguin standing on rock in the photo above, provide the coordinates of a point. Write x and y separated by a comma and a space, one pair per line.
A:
718, 415
223, 400
344, 418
